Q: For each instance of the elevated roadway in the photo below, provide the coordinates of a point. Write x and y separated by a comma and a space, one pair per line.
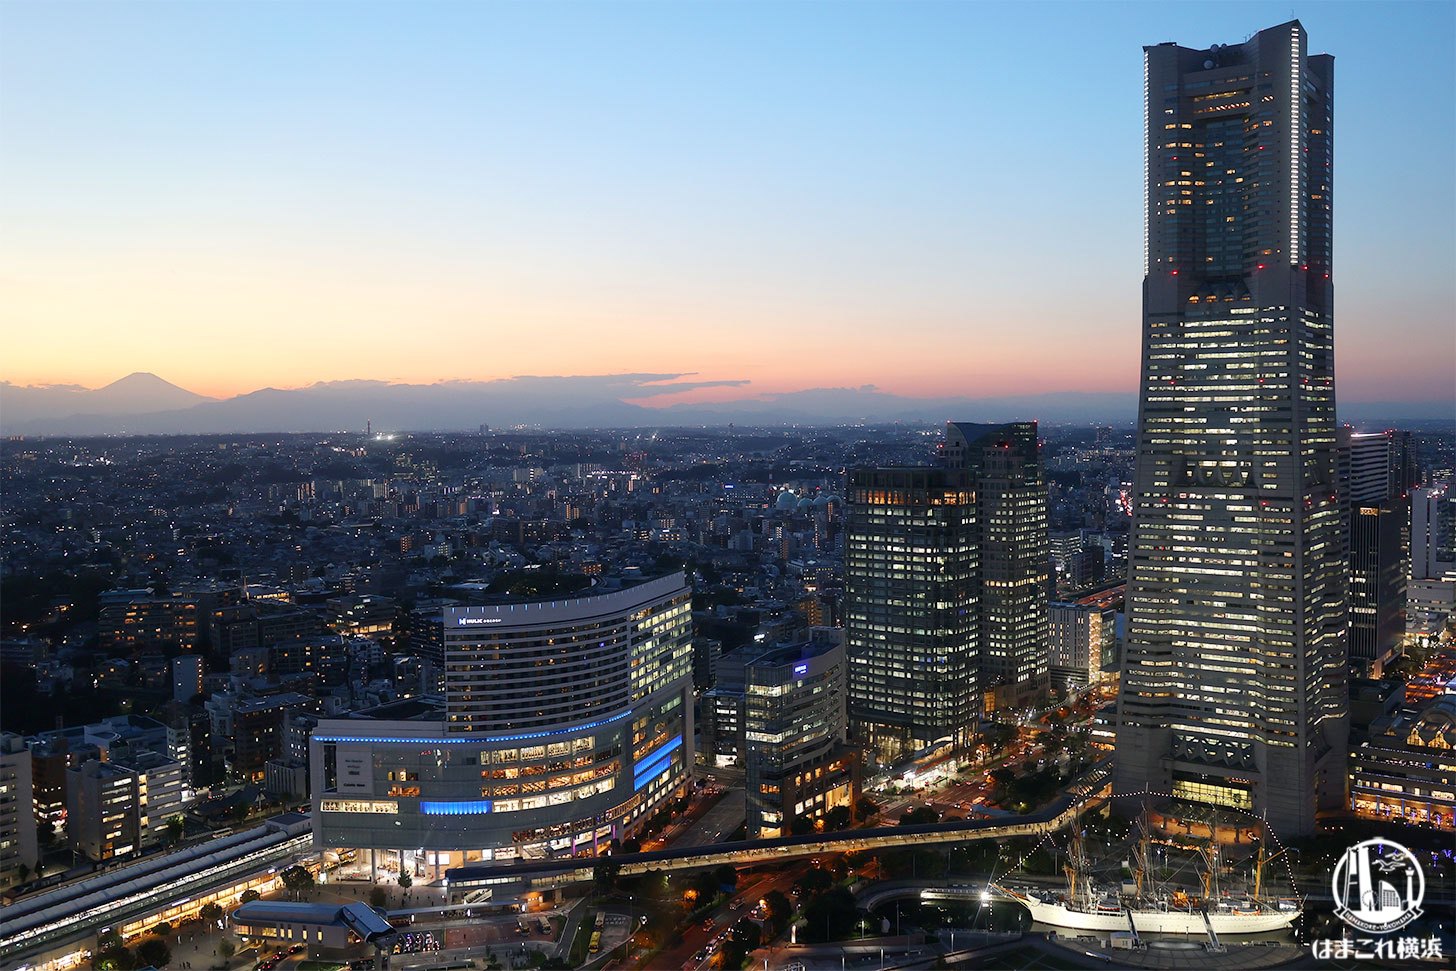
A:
545, 874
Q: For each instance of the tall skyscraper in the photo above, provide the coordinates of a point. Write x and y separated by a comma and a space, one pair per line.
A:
1233, 687
911, 617
1003, 466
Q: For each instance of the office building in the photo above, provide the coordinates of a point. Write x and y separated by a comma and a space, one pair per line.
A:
116, 807
1083, 639
1377, 579
421, 632
48, 763
1433, 533
258, 732
799, 764
1002, 465
1373, 484
1366, 474
1233, 688
1079, 562
1431, 593
912, 620
565, 723
722, 710
18, 846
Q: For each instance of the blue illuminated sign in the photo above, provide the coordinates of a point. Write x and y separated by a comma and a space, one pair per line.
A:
469, 808
800, 669
653, 764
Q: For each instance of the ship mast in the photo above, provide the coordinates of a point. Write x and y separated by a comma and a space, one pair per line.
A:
1140, 866
1259, 865
1073, 866
1209, 855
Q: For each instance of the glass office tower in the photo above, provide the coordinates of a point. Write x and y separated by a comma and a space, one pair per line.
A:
1233, 687
911, 616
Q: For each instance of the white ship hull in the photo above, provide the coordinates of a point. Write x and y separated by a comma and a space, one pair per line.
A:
1156, 921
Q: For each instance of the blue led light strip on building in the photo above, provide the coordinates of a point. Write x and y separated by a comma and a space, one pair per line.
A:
654, 764
470, 808
471, 739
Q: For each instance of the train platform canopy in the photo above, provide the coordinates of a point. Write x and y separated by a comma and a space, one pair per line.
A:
360, 919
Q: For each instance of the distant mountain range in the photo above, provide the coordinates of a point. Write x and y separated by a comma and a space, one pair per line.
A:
144, 404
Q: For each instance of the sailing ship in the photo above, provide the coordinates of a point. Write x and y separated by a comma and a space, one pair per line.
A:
1139, 907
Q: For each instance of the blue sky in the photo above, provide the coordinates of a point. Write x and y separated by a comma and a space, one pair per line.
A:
926, 197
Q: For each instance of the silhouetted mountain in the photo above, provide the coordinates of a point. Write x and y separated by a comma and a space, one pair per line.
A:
817, 406
145, 404
136, 394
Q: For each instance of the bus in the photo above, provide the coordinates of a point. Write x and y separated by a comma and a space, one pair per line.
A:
596, 942
544, 924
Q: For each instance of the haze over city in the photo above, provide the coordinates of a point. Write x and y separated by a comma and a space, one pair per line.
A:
934, 199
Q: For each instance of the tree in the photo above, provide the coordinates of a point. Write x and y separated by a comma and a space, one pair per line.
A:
918, 816
114, 959
727, 876
377, 897
109, 941
998, 735
23, 871
830, 916
175, 828
631, 845
161, 929
248, 896
705, 886
838, 818
405, 880
225, 948
778, 909
210, 914
154, 951
815, 881
605, 873
297, 879
866, 808
744, 937
802, 825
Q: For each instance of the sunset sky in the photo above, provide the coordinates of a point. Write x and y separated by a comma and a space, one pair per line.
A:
931, 198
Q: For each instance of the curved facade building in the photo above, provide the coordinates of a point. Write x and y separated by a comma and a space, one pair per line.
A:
565, 723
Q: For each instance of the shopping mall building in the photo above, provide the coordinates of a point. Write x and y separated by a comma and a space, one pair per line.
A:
564, 724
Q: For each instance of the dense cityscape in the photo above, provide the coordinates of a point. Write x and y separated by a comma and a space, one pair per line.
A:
1171, 693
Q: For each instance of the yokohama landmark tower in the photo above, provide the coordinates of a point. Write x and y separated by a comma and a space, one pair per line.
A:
1233, 685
